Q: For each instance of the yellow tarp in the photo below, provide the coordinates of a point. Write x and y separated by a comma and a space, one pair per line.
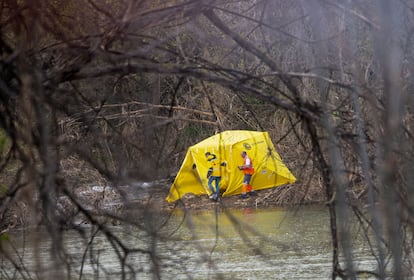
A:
227, 146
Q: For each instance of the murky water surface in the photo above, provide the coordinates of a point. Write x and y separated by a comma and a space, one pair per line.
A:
214, 244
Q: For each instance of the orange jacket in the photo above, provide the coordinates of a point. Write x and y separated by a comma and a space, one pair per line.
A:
248, 166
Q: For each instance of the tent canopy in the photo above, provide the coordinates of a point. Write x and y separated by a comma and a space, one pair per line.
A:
227, 146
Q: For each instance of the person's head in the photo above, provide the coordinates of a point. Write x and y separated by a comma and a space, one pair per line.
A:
243, 154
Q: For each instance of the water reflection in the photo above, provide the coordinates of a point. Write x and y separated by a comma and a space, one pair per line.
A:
215, 244
263, 244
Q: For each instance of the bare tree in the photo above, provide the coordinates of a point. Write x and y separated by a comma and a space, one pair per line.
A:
121, 89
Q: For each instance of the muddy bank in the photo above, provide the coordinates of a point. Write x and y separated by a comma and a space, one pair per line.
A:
284, 196
115, 204
152, 195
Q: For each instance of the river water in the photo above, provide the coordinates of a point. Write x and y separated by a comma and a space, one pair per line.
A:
216, 244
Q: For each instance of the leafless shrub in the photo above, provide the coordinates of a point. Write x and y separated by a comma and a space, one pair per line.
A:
115, 92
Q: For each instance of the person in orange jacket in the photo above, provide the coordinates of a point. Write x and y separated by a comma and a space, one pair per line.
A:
248, 171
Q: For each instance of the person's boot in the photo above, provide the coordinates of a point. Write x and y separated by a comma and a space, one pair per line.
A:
253, 193
243, 196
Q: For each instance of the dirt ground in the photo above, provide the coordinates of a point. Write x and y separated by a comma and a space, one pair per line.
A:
276, 197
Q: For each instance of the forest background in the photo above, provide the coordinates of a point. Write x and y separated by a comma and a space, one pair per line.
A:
113, 92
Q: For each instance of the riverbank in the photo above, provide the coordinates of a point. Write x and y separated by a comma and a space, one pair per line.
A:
72, 207
283, 196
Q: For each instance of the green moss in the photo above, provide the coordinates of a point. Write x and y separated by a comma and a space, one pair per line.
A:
3, 141
3, 190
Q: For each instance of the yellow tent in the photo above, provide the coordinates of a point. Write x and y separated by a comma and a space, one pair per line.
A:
227, 146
